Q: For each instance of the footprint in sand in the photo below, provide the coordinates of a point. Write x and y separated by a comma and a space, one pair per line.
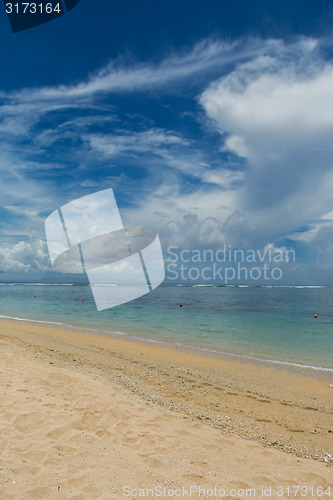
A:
35, 456
66, 450
195, 478
153, 462
316, 479
239, 485
62, 432
39, 492
28, 422
131, 441
103, 435
59, 379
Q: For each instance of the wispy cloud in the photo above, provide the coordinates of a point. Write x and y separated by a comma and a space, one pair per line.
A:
154, 140
124, 75
202, 61
264, 173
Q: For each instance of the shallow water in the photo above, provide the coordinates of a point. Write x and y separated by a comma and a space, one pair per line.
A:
268, 323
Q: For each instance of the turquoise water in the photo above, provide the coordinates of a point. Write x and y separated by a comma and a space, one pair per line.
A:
268, 323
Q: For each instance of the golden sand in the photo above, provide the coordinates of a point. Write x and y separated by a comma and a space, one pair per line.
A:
83, 416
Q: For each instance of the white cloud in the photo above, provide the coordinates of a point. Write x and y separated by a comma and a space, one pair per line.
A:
124, 75
166, 149
25, 257
275, 111
272, 107
281, 100
153, 140
223, 177
24, 198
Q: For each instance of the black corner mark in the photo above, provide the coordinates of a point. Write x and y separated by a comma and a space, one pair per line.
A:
24, 15
70, 4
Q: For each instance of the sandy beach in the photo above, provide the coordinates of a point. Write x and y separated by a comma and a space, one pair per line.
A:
90, 417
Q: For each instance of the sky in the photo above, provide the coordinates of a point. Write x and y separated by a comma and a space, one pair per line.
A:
211, 121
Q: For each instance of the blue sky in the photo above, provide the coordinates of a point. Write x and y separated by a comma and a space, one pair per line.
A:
212, 121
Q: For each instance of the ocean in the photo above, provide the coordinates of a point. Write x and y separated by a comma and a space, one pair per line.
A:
271, 324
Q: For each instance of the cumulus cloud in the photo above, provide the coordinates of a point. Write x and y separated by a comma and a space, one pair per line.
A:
269, 177
275, 111
25, 257
194, 230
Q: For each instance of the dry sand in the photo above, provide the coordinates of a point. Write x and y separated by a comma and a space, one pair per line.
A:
82, 416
